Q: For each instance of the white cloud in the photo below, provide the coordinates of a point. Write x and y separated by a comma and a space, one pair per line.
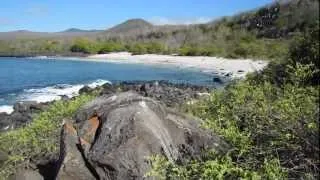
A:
179, 21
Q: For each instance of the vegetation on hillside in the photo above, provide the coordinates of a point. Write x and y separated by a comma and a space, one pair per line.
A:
271, 119
264, 33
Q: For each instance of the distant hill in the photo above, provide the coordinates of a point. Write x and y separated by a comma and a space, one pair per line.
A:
76, 30
132, 26
11, 35
263, 32
25, 34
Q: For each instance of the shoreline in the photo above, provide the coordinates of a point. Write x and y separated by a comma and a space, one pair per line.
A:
231, 68
224, 67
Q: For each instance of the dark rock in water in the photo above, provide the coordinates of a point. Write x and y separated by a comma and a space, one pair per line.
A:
217, 80
5, 122
116, 133
22, 114
64, 98
229, 74
85, 89
24, 111
27, 107
108, 89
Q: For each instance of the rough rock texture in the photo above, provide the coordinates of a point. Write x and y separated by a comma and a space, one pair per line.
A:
27, 175
71, 163
115, 135
172, 95
22, 114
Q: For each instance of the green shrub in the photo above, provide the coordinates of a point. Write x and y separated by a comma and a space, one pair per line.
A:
273, 131
270, 119
38, 138
155, 48
304, 53
83, 45
108, 47
137, 49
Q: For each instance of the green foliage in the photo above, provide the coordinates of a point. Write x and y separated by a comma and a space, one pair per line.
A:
273, 131
304, 53
270, 119
301, 65
155, 48
218, 167
108, 47
137, 49
263, 33
83, 45
38, 138
144, 48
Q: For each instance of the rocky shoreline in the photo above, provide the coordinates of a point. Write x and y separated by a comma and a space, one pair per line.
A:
170, 94
143, 110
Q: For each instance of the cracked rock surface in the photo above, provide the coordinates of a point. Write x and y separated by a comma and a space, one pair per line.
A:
112, 137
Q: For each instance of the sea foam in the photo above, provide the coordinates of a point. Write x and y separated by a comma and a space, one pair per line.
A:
52, 93
6, 109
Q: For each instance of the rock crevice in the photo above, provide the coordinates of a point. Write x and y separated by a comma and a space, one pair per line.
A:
115, 135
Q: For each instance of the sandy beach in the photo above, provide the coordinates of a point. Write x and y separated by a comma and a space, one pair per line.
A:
233, 68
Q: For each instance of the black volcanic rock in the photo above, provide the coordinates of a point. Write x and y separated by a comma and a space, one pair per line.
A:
172, 95
23, 113
116, 133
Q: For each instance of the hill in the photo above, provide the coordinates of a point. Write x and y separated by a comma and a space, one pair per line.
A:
76, 30
262, 33
132, 26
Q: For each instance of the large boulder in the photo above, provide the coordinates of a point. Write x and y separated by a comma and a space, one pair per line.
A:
112, 137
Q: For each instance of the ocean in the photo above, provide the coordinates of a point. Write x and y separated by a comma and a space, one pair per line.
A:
44, 80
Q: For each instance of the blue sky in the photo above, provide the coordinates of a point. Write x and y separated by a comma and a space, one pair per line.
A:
58, 15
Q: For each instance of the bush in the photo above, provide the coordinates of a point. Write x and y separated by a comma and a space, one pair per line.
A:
274, 133
155, 48
304, 53
110, 47
271, 120
189, 51
84, 46
137, 49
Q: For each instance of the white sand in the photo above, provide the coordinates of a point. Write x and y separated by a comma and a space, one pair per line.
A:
237, 68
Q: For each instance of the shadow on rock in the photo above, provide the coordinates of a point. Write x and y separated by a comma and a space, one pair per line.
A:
112, 137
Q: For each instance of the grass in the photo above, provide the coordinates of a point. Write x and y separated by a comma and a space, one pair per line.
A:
38, 138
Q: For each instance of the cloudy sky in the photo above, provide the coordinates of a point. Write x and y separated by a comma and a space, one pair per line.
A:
58, 15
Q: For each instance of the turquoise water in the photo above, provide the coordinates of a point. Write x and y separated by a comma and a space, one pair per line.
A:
23, 79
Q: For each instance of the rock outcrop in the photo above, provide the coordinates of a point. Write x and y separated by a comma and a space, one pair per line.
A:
172, 95
22, 114
112, 137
